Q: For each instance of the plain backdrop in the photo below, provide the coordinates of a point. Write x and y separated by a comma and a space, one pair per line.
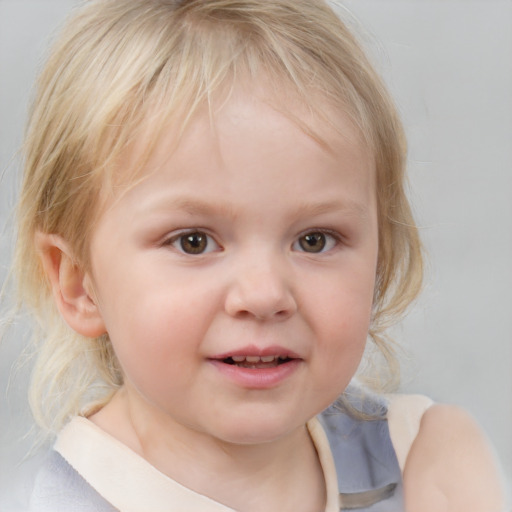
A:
449, 66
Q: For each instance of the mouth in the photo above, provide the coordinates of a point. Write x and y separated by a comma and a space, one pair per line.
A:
257, 362
255, 368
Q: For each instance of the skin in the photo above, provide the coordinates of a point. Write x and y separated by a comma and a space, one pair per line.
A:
255, 185
451, 467
254, 188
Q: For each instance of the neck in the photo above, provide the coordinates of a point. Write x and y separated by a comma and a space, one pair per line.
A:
281, 475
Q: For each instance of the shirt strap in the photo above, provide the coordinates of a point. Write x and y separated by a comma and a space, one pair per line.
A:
404, 418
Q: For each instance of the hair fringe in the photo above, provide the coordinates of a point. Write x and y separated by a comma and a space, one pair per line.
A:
121, 71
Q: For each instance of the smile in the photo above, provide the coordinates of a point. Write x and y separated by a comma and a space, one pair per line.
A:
253, 368
256, 362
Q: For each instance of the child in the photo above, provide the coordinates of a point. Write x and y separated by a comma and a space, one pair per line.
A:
212, 222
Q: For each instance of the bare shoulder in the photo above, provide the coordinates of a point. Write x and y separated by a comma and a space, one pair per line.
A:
450, 466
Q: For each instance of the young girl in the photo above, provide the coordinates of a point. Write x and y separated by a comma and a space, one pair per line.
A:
212, 223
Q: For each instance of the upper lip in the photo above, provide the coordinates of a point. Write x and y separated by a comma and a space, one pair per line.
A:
252, 350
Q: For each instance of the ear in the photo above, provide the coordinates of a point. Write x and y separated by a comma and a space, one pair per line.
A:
72, 289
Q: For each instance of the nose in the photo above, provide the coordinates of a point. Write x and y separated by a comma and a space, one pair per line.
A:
260, 289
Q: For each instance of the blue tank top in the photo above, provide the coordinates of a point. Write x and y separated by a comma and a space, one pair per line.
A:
369, 476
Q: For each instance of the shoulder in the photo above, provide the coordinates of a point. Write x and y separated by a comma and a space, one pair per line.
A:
451, 466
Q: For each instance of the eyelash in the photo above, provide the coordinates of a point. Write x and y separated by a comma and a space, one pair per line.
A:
330, 241
327, 239
178, 240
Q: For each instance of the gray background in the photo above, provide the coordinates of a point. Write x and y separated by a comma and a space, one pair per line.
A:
449, 66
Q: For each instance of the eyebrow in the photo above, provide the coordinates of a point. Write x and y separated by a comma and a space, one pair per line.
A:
345, 205
194, 206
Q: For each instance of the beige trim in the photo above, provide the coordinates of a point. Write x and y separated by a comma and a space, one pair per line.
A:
117, 473
323, 449
404, 418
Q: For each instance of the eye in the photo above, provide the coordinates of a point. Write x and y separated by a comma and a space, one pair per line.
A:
315, 242
193, 242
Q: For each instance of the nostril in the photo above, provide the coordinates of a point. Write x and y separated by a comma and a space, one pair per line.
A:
243, 314
263, 314
261, 299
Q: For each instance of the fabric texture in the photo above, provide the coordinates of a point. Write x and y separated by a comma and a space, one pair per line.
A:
60, 488
369, 476
404, 418
88, 470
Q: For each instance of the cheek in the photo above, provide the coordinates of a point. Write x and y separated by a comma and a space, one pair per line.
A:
344, 305
341, 320
341, 347
344, 330
152, 335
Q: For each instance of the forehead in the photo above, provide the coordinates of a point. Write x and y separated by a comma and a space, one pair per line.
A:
250, 145
329, 127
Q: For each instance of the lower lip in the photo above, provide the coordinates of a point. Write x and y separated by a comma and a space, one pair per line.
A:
257, 378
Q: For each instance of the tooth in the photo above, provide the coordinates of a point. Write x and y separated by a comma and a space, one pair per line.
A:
267, 359
282, 358
238, 359
252, 359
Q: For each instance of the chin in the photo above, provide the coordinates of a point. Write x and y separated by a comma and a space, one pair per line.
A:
257, 430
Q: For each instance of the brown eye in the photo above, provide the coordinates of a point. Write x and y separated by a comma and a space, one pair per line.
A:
194, 243
313, 242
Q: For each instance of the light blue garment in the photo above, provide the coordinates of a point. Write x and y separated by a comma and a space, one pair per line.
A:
369, 477
59, 488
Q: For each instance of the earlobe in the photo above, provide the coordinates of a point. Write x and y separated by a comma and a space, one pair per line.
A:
70, 285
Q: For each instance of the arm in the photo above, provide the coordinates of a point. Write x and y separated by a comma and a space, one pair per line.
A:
450, 467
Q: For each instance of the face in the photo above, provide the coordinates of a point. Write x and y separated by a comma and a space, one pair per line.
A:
236, 280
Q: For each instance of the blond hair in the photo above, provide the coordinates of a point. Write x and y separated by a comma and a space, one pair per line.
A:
115, 65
